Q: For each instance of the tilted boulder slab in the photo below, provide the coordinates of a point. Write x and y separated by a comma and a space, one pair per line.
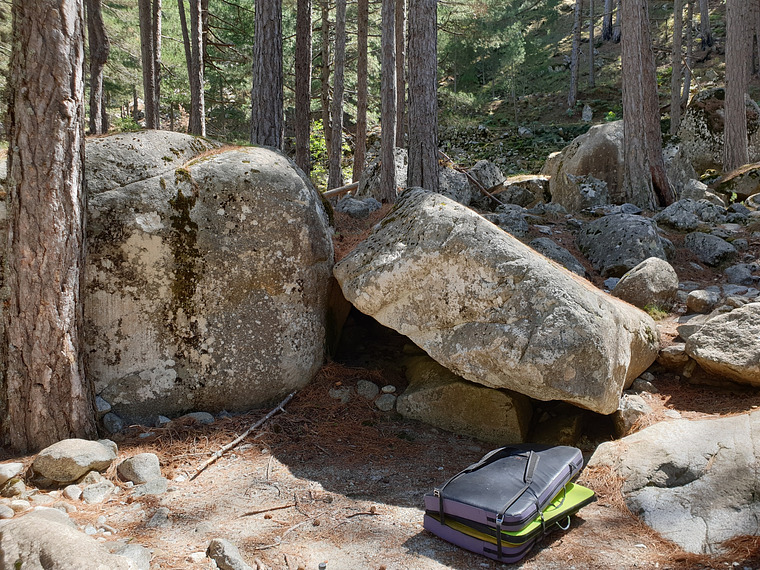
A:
728, 345
494, 311
206, 283
694, 482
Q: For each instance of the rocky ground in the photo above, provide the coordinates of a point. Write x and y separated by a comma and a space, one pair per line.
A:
334, 479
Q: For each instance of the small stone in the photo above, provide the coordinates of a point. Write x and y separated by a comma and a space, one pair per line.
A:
389, 389
6, 512
197, 557
91, 478
112, 423
672, 414
14, 488
386, 402
160, 519
702, 301
641, 385
72, 492
203, 418
90, 530
341, 393
110, 444
101, 407
97, 492
9, 471
226, 555
42, 499
162, 421
140, 468
136, 553
157, 486
610, 282
20, 505
367, 390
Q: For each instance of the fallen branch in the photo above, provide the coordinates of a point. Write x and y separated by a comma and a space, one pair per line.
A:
340, 191
258, 512
472, 179
226, 448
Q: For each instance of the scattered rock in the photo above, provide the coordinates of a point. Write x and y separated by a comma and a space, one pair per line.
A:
701, 301
20, 505
632, 408
97, 492
137, 553
157, 486
140, 468
369, 181
743, 182
710, 249
70, 459
341, 393
694, 482
367, 390
9, 471
101, 407
653, 282
160, 519
72, 492
356, 208
556, 252
468, 314
226, 555
455, 185
386, 402
742, 273
112, 423
203, 418
616, 244
6, 512
440, 398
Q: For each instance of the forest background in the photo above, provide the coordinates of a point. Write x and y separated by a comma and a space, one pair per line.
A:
502, 64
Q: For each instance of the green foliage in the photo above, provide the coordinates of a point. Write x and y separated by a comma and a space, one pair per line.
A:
611, 116
318, 152
125, 125
655, 311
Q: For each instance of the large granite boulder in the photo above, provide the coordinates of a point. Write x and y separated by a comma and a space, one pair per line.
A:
439, 397
728, 345
653, 282
617, 243
701, 129
493, 311
206, 284
599, 154
694, 482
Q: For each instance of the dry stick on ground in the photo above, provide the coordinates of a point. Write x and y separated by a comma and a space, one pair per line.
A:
226, 448
472, 179
259, 511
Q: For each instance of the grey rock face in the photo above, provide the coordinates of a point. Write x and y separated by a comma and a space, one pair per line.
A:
694, 482
556, 252
651, 282
678, 167
727, 345
140, 468
455, 185
688, 215
357, 208
47, 539
711, 250
632, 408
487, 174
489, 309
9, 471
226, 555
618, 243
70, 459
138, 554
369, 182
511, 219
702, 301
97, 492
440, 398
742, 274
206, 285
598, 153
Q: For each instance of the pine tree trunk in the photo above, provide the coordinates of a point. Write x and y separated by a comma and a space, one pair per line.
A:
675, 79
266, 95
303, 85
197, 124
616, 28
738, 57
644, 180
335, 172
156, 34
607, 21
99, 48
148, 61
388, 181
362, 33
689, 54
324, 75
705, 30
572, 96
46, 394
591, 42
423, 102
400, 72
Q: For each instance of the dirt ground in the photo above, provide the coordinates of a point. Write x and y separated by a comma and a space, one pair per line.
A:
343, 483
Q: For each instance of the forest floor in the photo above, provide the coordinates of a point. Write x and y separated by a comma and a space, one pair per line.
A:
343, 483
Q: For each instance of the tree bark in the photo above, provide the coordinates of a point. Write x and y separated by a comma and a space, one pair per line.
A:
47, 395
156, 35
335, 171
591, 42
738, 58
675, 79
572, 96
705, 30
689, 51
324, 76
197, 124
99, 47
362, 33
607, 21
400, 72
148, 60
644, 180
388, 181
616, 28
266, 94
423, 102
303, 85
